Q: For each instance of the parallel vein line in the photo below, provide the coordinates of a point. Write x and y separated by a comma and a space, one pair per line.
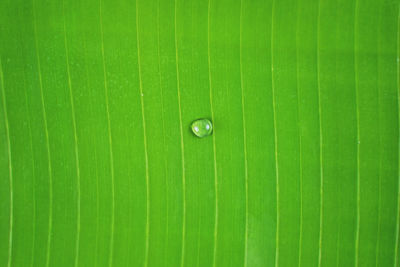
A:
146, 255
246, 234
29, 125
320, 140
338, 239
198, 243
182, 144
164, 136
379, 96
110, 260
396, 248
198, 234
227, 88
94, 150
339, 211
50, 222
33, 173
357, 241
97, 207
300, 135
213, 138
10, 170
73, 114
275, 137
378, 229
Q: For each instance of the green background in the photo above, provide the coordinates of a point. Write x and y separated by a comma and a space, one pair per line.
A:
98, 166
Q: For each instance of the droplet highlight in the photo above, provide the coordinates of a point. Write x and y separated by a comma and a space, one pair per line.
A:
202, 127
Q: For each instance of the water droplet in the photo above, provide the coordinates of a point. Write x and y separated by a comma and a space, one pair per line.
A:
202, 127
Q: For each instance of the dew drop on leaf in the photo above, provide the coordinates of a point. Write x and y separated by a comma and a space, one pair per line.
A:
202, 127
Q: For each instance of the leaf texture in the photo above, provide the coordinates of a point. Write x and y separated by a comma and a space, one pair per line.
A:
99, 167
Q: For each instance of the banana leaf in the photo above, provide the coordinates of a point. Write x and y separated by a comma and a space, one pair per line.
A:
99, 165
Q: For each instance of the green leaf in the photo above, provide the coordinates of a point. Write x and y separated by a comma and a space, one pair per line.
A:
99, 165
